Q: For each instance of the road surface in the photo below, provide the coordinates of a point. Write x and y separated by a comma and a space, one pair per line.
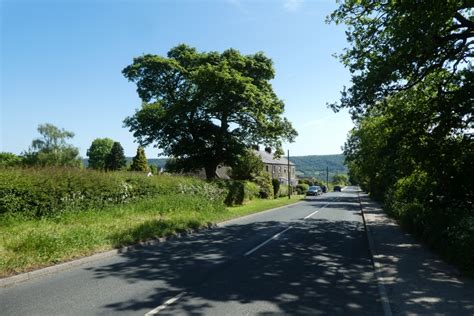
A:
308, 258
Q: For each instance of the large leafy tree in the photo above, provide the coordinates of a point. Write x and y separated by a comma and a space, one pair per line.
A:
98, 152
205, 108
412, 103
247, 166
397, 44
115, 160
52, 149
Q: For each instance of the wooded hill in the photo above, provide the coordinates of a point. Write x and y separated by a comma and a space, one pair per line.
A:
315, 165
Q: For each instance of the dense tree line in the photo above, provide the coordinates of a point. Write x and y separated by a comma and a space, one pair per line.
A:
411, 100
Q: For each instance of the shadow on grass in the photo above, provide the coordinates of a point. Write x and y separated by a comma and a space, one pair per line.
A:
155, 229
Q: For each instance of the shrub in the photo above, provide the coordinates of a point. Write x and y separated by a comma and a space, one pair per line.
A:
276, 187
283, 191
265, 184
302, 188
239, 192
51, 191
422, 207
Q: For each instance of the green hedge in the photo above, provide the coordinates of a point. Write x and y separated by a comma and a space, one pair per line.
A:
50, 191
302, 188
423, 208
239, 191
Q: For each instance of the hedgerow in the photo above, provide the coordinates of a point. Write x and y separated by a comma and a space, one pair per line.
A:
51, 191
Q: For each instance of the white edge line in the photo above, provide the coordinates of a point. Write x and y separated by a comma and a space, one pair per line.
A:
165, 304
377, 268
266, 242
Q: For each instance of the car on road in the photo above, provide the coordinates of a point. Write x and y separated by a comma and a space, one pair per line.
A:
314, 190
337, 188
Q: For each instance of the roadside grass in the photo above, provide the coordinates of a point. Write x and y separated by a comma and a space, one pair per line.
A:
27, 244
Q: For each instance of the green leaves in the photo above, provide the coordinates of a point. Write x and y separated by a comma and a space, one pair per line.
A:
396, 44
205, 108
98, 152
52, 149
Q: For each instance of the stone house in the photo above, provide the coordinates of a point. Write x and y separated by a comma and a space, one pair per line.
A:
277, 168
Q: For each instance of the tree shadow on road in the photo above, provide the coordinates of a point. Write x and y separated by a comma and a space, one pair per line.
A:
417, 281
316, 267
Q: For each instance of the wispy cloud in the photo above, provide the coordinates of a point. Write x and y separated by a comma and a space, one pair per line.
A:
293, 5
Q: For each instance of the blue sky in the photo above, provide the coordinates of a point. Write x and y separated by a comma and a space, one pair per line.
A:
61, 62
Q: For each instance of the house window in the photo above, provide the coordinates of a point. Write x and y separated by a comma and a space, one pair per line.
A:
266, 167
279, 169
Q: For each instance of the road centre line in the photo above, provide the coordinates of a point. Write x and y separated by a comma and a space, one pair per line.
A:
177, 297
266, 241
165, 304
315, 212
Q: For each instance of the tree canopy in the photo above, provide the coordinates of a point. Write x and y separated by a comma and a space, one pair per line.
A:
412, 103
98, 152
397, 44
205, 108
139, 162
115, 160
52, 149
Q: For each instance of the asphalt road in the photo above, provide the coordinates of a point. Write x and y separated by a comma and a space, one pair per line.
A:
309, 258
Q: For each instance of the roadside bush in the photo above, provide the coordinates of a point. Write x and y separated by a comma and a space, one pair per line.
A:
238, 192
302, 188
423, 208
283, 191
51, 191
265, 184
276, 187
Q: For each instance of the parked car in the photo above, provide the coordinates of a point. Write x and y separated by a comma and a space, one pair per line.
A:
337, 188
314, 190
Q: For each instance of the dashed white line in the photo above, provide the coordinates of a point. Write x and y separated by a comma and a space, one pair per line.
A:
165, 304
177, 297
266, 242
315, 212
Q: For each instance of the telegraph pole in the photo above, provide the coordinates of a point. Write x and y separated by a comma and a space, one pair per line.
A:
327, 178
289, 185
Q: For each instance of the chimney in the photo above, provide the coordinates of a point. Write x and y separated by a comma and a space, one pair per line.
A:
268, 150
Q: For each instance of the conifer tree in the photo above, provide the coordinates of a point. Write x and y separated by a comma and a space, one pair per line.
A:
139, 162
115, 159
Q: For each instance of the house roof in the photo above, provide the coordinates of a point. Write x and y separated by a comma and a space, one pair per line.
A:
270, 159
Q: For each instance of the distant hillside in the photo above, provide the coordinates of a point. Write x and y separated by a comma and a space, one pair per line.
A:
315, 165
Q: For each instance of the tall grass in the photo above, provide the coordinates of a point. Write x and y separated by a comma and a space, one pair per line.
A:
27, 243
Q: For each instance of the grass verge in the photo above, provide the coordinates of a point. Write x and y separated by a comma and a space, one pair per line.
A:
27, 244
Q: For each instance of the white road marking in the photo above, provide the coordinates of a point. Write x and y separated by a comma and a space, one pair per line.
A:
315, 211
165, 304
266, 242
177, 297
387, 310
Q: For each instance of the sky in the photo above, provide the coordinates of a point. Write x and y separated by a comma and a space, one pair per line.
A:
61, 63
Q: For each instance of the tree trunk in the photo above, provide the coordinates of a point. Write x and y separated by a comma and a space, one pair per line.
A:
210, 171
